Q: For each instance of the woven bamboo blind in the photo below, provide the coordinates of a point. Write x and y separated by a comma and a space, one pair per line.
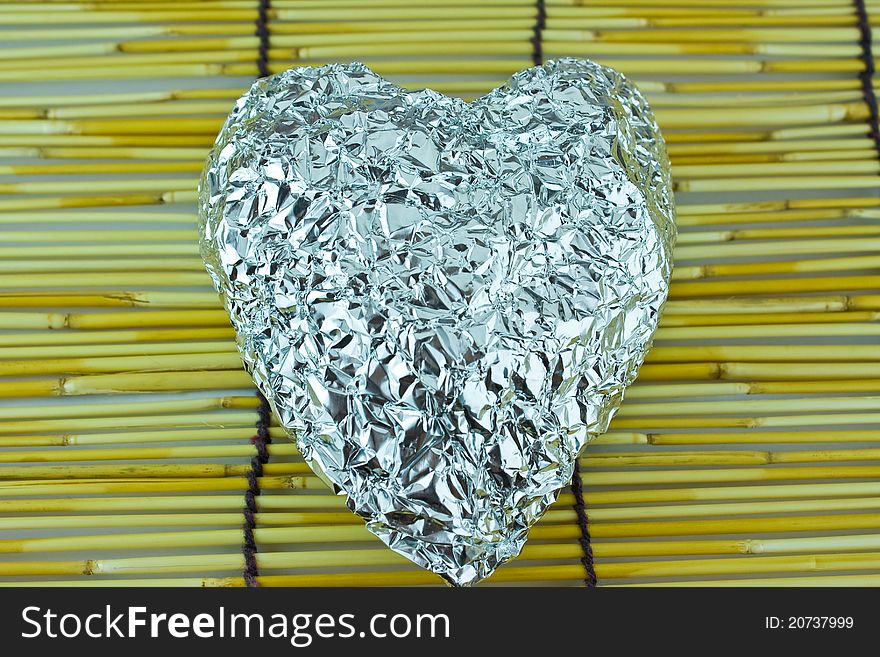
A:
747, 452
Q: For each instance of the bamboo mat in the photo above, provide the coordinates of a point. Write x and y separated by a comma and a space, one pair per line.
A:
747, 453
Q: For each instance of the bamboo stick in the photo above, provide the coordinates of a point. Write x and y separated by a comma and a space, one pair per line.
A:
229, 379
676, 568
683, 390
90, 274
192, 276
80, 151
17, 489
171, 503
754, 310
729, 474
718, 332
686, 209
673, 332
750, 371
125, 583
118, 470
158, 185
729, 457
195, 420
111, 143
195, 301
13, 488
170, 29
142, 487
144, 453
770, 184
58, 202
90, 321
776, 267
116, 216
201, 582
782, 156
772, 421
232, 516
634, 477
518, 573
653, 495
337, 558
348, 533
138, 349
605, 460
93, 168
816, 580
760, 437
129, 408
127, 382
694, 368
113, 336
823, 304
781, 318
99, 279
561, 514
368, 557
764, 353
125, 437
761, 147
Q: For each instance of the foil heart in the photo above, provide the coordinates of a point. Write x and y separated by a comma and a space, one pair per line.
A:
443, 301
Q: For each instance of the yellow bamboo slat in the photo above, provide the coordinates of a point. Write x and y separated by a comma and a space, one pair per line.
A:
746, 454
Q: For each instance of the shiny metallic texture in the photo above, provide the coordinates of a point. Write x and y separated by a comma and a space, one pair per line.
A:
443, 301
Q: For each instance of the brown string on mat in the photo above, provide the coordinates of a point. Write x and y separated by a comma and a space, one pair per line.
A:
577, 486
583, 521
260, 440
262, 32
540, 22
867, 74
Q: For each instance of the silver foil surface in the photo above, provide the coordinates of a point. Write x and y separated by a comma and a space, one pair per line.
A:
443, 301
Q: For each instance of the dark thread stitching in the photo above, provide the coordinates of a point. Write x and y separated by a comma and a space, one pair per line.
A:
580, 509
867, 74
260, 442
262, 437
577, 486
540, 22
262, 32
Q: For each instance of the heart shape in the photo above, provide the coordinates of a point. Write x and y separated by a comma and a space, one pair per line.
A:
442, 301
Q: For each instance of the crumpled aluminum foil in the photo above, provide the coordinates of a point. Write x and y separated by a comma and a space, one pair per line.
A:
443, 301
